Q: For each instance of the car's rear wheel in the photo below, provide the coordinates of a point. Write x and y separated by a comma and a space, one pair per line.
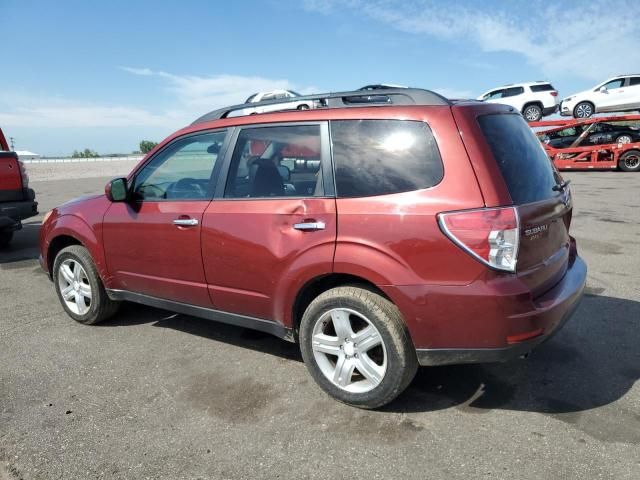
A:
303, 107
356, 347
532, 113
583, 110
5, 238
79, 287
624, 139
630, 161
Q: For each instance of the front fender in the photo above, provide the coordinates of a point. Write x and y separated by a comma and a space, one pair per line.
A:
75, 227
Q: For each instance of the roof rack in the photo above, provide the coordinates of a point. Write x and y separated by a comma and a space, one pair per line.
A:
358, 98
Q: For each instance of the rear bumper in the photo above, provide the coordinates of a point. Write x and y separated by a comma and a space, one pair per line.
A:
11, 213
550, 110
552, 310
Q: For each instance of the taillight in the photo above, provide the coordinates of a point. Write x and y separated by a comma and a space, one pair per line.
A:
23, 174
491, 235
554, 93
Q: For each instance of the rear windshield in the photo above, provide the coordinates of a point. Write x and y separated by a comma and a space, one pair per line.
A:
546, 87
525, 166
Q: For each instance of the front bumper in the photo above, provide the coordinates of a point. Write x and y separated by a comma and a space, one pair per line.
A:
553, 310
565, 110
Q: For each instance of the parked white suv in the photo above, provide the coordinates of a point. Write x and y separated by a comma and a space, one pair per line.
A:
618, 94
534, 99
275, 95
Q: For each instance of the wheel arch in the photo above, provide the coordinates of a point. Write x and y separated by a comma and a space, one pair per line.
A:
321, 284
537, 103
73, 230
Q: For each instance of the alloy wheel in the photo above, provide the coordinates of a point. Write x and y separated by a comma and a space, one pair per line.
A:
584, 110
349, 350
624, 139
74, 286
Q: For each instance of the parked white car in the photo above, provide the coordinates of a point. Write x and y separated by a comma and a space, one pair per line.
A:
618, 94
275, 95
534, 99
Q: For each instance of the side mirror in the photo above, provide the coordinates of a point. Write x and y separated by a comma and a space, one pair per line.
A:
116, 190
602, 89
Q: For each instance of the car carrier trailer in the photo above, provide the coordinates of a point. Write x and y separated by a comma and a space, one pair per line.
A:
599, 156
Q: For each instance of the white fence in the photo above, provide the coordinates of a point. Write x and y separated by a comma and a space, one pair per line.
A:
84, 160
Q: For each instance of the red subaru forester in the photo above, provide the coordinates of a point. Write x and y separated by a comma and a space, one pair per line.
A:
380, 233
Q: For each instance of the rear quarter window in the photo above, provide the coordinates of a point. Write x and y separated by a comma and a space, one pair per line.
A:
525, 166
379, 157
546, 87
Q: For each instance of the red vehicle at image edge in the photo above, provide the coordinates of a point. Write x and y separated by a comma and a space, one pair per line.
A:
17, 200
414, 231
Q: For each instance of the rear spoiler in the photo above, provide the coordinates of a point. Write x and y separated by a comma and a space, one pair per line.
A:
3, 142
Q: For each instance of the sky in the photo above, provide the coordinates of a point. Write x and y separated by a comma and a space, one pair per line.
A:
106, 75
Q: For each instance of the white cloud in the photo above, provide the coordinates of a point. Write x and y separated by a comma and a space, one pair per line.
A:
589, 39
190, 96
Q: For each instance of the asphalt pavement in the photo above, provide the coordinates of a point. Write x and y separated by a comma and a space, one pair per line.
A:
151, 394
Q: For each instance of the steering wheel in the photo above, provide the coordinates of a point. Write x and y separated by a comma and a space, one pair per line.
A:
186, 188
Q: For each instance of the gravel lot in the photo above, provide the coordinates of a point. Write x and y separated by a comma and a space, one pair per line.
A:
156, 395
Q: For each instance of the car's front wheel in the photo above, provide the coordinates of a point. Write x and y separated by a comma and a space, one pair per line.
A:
304, 106
583, 110
624, 139
80, 288
356, 347
532, 113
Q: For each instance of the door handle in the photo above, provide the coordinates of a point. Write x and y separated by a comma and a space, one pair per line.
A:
185, 222
309, 226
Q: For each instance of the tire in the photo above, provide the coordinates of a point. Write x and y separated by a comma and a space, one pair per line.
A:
583, 110
532, 113
76, 284
625, 138
385, 343
5, 238
630, 161
303, 107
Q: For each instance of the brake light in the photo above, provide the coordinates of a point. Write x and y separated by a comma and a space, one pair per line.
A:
554, 93
23, 174
491, 235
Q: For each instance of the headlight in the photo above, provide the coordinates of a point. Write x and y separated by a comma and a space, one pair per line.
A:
568, 99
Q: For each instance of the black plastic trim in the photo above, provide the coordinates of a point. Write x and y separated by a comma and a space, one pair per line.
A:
244, 321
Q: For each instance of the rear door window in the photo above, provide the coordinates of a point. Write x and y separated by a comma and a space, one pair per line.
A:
525, 166
378, 157
512, 92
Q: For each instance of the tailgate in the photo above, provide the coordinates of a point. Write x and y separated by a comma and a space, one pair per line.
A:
526, 178
10, 178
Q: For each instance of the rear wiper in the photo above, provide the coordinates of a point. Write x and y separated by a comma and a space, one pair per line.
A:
561, 186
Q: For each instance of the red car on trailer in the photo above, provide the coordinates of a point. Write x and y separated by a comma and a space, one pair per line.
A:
604, 143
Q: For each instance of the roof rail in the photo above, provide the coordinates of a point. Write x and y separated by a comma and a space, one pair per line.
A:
357, 98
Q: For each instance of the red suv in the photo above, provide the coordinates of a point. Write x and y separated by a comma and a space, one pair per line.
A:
413, 231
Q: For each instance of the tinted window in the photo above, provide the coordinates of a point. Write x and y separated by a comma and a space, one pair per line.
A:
276, 162
182, 171
512, 92
377, 157
525, 167
614, 84
545, 87
493, 95
634, 81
